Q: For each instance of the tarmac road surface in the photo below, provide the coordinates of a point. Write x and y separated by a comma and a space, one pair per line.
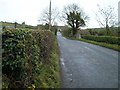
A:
85, 65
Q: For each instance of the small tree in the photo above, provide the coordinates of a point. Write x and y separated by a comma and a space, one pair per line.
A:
75, 17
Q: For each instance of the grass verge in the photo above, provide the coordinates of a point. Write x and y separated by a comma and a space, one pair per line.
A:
110, 46
50, 73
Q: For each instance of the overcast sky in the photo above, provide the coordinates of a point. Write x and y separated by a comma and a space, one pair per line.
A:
30, 10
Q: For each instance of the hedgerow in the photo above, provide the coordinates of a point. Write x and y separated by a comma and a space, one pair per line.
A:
45, 41
106, 39
26, 55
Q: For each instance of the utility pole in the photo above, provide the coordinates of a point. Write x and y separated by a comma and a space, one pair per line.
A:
50, 16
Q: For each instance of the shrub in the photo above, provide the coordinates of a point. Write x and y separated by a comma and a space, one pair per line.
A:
67, 33
106, 39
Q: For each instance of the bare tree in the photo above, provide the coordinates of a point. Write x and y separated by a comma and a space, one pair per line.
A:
45, 16
106, 17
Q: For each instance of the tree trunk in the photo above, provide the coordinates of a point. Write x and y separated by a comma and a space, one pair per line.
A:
107, 29
74, 32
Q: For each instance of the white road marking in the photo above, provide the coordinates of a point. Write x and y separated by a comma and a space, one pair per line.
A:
62, 61
59, 45
70, 74
70, 79
87, 48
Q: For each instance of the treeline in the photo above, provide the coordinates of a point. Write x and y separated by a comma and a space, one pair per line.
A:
113, 31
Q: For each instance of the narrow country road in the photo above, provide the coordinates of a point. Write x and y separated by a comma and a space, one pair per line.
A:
85, 65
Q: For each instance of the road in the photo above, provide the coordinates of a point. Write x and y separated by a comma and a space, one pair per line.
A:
85, 65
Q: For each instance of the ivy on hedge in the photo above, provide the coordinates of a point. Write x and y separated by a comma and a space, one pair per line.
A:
106, 39
20, 57
24, 51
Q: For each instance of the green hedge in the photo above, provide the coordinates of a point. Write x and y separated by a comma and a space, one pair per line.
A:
45, 41
26, 54
106, 39
66, 33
